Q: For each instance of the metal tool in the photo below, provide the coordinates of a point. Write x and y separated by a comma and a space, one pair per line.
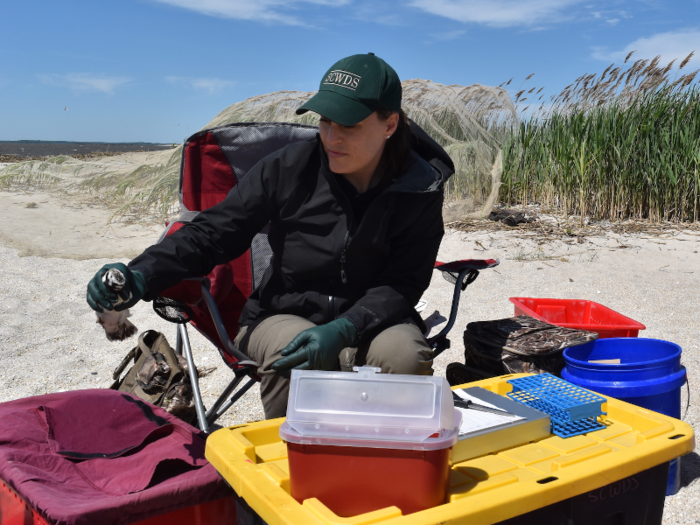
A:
468, 403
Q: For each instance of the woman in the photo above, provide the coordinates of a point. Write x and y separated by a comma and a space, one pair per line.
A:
355, 225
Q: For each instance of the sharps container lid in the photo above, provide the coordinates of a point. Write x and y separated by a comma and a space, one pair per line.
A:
369, 409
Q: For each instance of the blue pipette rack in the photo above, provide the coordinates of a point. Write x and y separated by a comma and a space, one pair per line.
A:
572, 409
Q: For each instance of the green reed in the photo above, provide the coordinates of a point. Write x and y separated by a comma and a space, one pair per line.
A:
622, 145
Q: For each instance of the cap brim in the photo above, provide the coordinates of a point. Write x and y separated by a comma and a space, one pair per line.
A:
341, 110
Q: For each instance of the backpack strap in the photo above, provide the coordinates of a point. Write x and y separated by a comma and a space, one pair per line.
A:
120, 368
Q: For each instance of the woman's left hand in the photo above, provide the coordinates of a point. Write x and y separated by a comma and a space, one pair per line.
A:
318, 348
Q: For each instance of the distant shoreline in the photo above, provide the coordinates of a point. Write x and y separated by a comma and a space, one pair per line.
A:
42, 148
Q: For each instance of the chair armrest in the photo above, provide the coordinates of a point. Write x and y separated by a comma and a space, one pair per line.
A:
466, 264
188, 291
461, 274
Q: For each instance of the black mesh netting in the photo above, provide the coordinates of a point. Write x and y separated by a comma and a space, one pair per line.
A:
172, 310
244, 144
451, 277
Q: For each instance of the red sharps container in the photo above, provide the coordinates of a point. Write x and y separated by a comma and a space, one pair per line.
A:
361, 441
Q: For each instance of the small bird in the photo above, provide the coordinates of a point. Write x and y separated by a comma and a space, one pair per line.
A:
117, 326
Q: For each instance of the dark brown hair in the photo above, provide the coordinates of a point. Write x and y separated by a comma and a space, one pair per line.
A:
397, 151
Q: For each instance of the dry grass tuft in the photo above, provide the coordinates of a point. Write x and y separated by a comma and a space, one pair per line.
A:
129, 183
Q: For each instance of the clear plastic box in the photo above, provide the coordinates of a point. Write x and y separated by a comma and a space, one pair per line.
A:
386, 439
369, 409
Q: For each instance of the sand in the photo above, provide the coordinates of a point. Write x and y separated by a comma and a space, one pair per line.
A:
50, 342
40, 224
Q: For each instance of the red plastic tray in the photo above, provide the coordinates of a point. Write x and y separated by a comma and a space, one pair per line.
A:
579, 314
15, 511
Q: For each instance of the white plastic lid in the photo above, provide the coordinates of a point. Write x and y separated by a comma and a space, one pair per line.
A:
339, 408
437, 441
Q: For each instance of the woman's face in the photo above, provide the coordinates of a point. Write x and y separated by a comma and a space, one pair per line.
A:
355, 151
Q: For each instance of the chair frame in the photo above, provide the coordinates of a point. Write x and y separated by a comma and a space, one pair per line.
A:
462, 273
211, 151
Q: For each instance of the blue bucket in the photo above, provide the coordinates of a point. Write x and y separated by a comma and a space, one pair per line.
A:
649, 375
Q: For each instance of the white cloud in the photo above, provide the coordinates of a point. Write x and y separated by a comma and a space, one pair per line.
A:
259, 10
85, 82
671, 45
610, 17
209, 85
499, 13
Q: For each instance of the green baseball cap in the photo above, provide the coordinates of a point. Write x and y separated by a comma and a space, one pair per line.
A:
353, 88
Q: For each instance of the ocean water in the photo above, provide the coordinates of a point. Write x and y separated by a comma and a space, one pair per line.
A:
50, 148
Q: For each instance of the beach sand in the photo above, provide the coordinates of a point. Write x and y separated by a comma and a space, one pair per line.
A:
49, 340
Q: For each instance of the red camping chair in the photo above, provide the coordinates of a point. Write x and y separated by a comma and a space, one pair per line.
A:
213, 161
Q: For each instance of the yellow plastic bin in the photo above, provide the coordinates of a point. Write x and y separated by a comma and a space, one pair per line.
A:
586, 478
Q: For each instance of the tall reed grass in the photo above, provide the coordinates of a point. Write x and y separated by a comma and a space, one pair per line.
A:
625, 144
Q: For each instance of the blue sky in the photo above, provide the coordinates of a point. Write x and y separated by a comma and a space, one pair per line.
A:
157, 70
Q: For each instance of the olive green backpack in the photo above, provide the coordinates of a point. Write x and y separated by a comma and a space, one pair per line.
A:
159, 376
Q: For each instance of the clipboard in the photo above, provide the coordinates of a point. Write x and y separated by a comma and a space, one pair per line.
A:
484, 432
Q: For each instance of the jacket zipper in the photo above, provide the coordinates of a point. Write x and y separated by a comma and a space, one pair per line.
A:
351, 222
331, 307
346, 241
343, 277
329, 177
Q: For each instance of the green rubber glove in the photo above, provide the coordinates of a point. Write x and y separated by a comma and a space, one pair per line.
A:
318, 348
100, 297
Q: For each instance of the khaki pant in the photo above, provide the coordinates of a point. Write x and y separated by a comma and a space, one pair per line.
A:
400, 349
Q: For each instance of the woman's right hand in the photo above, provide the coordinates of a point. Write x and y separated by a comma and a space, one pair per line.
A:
101, 298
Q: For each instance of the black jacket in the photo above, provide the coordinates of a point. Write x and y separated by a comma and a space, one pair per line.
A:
324, 265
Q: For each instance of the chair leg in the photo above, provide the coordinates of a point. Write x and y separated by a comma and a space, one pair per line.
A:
194, 381
466, 277
224, 395
213, 415
178, 343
